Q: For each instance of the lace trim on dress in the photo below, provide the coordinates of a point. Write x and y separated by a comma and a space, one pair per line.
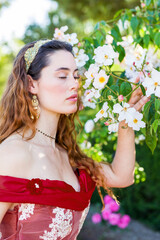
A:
26, 211
61, 225
83, 217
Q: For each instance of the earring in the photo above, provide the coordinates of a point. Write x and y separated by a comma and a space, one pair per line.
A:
35, 105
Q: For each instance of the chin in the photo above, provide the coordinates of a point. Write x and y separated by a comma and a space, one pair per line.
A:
72, 111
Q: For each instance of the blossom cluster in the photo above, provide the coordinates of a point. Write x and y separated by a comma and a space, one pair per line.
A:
79, 53
138, 62
111, 214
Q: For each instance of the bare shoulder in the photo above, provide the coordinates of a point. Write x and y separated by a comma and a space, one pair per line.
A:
14, 156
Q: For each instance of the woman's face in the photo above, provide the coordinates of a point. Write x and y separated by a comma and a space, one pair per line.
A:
58, 82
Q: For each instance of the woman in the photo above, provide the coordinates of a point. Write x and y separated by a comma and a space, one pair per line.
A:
46, 182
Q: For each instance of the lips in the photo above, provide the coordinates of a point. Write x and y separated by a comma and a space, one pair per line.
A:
73, 96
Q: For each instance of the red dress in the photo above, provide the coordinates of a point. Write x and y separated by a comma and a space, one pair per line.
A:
47, 209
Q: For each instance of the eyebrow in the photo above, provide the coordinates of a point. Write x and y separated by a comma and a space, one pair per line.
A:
66, 69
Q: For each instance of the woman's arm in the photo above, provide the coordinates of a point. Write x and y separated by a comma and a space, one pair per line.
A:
120, 173
13, 162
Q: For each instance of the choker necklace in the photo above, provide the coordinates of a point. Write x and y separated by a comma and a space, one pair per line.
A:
45, 134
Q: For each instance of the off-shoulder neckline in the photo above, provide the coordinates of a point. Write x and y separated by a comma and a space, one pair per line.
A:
76, 171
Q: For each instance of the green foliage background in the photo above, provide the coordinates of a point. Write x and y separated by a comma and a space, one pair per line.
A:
141, 200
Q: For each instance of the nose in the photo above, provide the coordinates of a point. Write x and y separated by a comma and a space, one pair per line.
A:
74, 84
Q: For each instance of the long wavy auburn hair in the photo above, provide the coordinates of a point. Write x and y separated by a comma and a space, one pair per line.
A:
16, 110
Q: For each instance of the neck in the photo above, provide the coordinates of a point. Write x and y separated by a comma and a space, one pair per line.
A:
47, 123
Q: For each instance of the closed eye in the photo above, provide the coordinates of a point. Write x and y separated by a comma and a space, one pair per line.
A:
62, 77
66, 77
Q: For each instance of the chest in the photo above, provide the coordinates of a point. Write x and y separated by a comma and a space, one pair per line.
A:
53, 165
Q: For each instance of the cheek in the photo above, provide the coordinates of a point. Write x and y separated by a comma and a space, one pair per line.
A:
52, 96
52, 89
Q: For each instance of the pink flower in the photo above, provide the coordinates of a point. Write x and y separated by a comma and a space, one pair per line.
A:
124, 221
107, 199
120, 98
96, 218
143, 5
106, 213
114, 207
106, 123
114, 218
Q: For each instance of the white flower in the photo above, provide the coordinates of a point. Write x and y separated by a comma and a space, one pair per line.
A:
87, 83
59, 33
109, 39
89, 125
93, 68
86, 145
89, 94
135, 121
111, 116
100, 79
139, 138
123, 26
104, 55
125, 112
87, 102
153, 57
153, 84
127, 41
113, 127
71, 38
102, 113
80, 57
90, 75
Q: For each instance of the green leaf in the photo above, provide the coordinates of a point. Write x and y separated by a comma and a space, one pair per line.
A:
134, 23
116, 34
143, 90
157, 39
155, 125
146, 111
146, 40
115, 88
151, 140
157, 104
148, 2
103, 23
118, 13
122, 53
110, 81
125, 88
96, 26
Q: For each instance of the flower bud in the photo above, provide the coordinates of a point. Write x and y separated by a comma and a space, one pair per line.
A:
120, 98
143, 5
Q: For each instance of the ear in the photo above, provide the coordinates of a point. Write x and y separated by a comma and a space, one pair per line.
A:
33, 85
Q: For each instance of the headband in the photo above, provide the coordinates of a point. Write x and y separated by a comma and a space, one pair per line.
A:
31, 53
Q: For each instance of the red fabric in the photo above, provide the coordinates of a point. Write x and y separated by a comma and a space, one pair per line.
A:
41, 222
48, 192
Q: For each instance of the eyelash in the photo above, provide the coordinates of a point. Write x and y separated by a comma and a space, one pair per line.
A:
66, 77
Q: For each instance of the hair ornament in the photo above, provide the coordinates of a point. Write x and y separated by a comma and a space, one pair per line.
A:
32, 52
